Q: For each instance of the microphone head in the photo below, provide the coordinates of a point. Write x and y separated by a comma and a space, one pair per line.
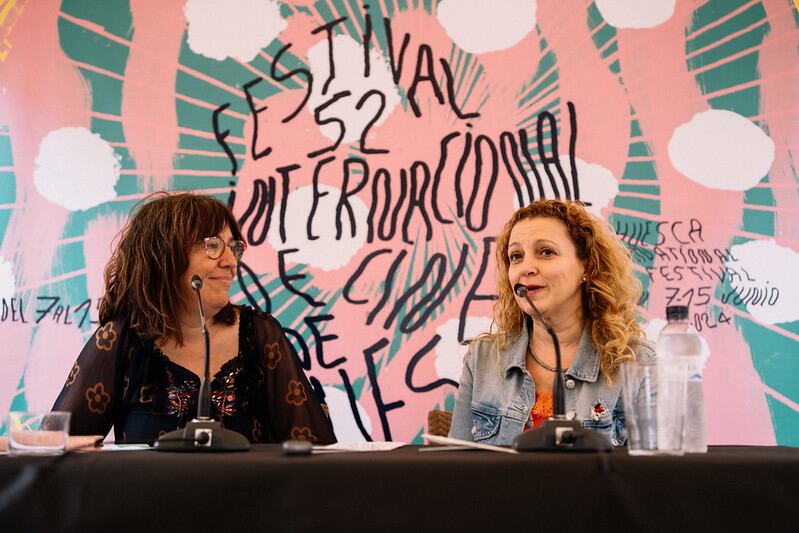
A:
196, 282
520, 290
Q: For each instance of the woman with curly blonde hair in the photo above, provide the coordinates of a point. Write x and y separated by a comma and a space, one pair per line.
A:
579, 275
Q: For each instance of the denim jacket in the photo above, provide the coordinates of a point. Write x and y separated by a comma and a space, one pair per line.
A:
494, 402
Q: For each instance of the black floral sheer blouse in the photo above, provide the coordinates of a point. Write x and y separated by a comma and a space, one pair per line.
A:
129, 383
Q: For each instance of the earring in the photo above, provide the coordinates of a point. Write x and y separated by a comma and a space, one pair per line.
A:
585, 279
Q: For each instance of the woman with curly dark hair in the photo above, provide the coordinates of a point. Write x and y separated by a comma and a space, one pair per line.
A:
579, 275
140, 370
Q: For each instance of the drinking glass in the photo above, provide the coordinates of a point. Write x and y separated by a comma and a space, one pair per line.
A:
37, 433
654, 395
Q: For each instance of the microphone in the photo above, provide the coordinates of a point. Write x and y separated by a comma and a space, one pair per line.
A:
557, 433
558, 405
204, 395
203, 433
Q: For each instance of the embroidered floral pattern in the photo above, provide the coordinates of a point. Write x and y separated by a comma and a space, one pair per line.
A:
273, 355
296, 394
73, 374
98, 399
146, 394
158, 393
179, 397
302, 433
105, 337
597, 411
225, 398
260, 378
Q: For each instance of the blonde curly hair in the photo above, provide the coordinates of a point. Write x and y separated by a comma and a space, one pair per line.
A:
610, 292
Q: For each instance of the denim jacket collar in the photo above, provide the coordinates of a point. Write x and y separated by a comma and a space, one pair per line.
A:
584, 366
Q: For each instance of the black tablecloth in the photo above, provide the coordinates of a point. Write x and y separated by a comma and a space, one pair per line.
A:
406, 489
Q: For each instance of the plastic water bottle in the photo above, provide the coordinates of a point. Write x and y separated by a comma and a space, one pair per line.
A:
678, 338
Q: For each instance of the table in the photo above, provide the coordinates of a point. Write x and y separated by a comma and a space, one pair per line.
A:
730, 487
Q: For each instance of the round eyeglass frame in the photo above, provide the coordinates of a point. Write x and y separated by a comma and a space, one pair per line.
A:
231, 244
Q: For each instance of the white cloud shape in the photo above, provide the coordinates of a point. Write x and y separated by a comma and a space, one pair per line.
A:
597, 184
636, 14
479, 26
349, 76
344, 424
721, 150
76, 169
449, 352
770, 269
325, 253
233, 28
8, 282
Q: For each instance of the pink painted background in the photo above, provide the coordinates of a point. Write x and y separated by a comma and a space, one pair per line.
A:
641, 76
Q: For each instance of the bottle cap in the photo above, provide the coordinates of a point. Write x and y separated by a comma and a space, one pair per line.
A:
677, 312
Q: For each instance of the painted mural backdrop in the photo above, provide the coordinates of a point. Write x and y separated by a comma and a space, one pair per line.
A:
372, 149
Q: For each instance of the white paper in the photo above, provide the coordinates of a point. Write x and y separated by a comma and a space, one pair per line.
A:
465, 444
124, 447
381, 446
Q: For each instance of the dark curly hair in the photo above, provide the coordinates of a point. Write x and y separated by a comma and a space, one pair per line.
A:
142, 278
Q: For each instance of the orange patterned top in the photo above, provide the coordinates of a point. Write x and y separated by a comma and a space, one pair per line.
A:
542, 409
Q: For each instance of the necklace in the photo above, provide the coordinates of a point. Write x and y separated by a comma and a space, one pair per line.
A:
540, 362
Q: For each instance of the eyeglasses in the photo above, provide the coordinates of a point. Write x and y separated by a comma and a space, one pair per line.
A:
215, 247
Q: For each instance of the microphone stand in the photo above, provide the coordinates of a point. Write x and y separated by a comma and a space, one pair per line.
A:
558, 433
203, 434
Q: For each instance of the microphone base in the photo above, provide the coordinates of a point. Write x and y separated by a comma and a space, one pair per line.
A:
561, 436
202, 436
